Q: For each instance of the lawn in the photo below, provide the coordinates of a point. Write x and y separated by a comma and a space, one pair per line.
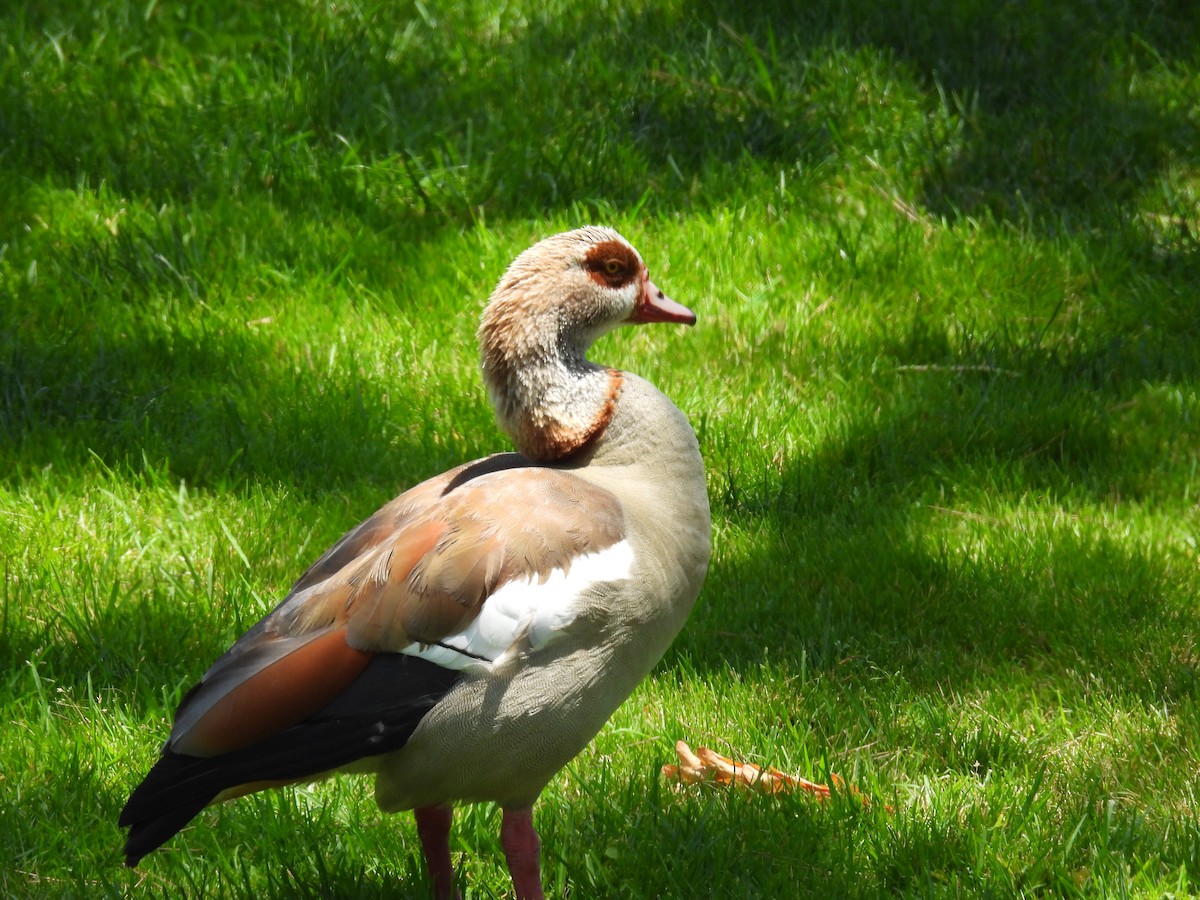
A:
946, 380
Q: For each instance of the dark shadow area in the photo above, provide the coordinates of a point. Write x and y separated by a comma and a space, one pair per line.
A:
1038, 95
277, 843
199, 402
869, 583
1056, 131
437, 109
1035, 93
1053, 130
1053, 135
353, 85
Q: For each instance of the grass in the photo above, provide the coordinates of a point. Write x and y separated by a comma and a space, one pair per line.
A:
945, 381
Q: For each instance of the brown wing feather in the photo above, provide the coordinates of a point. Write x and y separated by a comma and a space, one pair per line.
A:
417, 571
276, 697
376, 529
497, 527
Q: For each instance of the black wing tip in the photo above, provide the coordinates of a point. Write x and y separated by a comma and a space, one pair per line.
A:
351, 727
173, 792
146, 837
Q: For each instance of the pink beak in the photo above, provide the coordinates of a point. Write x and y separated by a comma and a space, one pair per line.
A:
655, 306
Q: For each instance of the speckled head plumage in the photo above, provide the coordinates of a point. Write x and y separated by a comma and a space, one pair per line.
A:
551, 304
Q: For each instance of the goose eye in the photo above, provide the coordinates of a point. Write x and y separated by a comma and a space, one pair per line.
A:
611, 264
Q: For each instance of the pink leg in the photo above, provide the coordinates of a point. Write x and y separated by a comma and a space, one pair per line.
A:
433, 827
521, 848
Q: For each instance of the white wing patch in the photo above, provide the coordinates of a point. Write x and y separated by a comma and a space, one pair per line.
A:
526, 613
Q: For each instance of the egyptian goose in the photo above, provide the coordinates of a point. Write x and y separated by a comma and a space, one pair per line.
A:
468, 639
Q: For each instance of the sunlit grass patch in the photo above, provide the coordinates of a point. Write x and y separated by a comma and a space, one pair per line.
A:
944, 259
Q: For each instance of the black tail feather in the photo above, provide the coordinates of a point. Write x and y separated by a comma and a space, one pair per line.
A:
157, 809
376, 714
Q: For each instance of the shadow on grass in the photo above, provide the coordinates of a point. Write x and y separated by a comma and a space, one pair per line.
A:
895, 576
414, 132
1052, 136
216, 407
1056, 127
275, 845
1053, 129
434, 104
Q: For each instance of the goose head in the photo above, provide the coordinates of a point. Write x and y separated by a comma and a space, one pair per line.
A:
552, 303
